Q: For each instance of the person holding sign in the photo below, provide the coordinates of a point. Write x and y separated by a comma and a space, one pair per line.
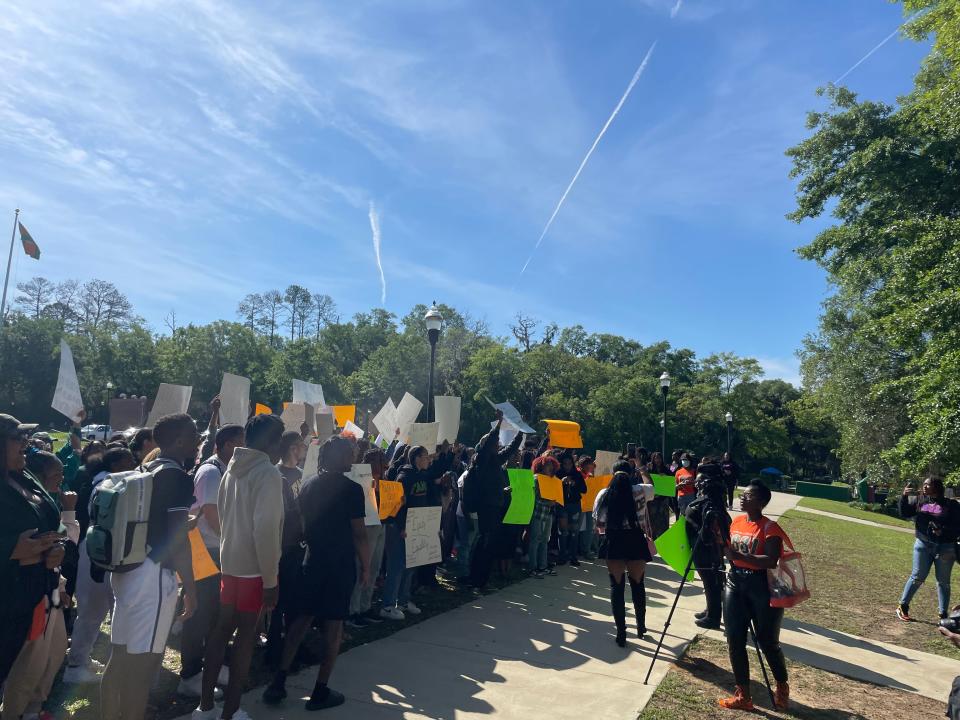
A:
361, 614
484, 492
333, 509
618, 513
574, 486
549, 490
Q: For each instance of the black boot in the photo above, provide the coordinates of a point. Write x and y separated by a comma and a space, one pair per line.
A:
619, 609
639, 605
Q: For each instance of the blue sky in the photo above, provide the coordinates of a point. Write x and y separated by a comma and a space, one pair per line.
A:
192, 152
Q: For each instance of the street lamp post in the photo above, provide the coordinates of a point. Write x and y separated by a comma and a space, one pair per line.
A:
664, 389
729, 418
434, 320
106, 403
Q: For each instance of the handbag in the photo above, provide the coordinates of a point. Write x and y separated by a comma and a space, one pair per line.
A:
787, 581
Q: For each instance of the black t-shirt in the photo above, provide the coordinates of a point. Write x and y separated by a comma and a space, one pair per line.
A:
169, 505
328, 505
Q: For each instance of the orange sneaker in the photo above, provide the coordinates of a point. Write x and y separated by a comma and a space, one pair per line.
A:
781, 698
739, 701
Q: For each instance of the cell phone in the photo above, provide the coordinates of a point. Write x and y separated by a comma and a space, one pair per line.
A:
631, 450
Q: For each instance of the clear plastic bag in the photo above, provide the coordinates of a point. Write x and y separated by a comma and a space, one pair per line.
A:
788, 581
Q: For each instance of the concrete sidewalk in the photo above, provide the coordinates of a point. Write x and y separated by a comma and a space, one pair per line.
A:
537, 649
858, 521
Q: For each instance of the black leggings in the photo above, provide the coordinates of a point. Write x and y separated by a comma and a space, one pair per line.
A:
747, 598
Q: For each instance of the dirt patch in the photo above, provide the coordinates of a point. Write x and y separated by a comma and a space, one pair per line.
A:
691, 689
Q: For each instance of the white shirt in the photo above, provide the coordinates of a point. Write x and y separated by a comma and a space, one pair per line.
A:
206, 484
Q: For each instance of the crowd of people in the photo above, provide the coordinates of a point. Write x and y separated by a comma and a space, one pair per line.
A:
289, 550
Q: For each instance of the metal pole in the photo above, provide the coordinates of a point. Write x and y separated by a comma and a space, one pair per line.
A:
663, 428
729, 429
434, 335
6, 279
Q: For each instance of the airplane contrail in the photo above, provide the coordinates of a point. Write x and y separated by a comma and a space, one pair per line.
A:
676, 9
375, 229
626, 94
883, 42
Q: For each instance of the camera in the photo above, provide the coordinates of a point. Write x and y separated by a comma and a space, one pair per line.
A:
952, 622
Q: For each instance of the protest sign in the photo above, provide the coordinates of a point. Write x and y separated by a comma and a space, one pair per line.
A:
424, 434
362, 475
128, 412
521, 497
66, 398
307, 392
262, 410
595, 484
324, 425
353, 429
391, 498
312, 461
344, 414
170, 400
203, 565
511, 414
423, 536
407, 412
447, 412
564, 434
385, 421
296, 414
674, 547
665, 485
551, 488
605, 461
234, 400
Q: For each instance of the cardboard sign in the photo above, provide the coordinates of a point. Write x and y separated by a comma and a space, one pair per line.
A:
446, 410
262, 410
423, 536
203, 565
664, 485
171, 400
312, 461
362, 475
424, 434
344, 414
325, 427
551, 488
674, 547
605, 460
595, 483
385, 421
407, 412
307, 392
564, 434
296, 414
511, 414
522, 497
234, 400
391, 498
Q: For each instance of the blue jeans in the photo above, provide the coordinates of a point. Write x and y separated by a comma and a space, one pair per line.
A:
466, 535
396, 587
570, 537
540, 529
940, 555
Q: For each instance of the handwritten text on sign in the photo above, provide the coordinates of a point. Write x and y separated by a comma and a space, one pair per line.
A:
423, 536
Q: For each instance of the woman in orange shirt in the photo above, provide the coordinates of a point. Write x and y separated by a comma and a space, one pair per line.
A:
686, 484
756, 544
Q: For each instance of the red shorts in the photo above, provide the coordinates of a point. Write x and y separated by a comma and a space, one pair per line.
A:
245, 594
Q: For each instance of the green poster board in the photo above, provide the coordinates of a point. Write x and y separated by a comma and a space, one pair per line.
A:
522, 497
665, 485
674, 547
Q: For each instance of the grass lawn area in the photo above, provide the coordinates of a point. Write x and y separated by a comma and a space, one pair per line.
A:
841, 508
856, 574
82, 702
691, 689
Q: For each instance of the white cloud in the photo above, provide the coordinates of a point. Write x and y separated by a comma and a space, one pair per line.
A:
782, 368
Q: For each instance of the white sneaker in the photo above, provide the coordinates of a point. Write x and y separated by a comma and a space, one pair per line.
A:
224, 677
211, 714
412, 609
191, 686
392, 613
81, 674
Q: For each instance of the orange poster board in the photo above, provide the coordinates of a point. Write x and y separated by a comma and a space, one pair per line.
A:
263, 409
551, 488
203, 565
594, 485
343, 413
391, 498
564, 434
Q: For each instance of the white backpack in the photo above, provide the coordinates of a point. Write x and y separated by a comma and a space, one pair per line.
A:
119, 515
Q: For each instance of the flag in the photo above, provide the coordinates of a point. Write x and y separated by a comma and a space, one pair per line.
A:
30, 246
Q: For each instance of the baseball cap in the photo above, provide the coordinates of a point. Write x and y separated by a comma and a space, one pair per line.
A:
10, 427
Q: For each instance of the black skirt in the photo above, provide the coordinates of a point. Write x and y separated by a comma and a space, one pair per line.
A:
624, 545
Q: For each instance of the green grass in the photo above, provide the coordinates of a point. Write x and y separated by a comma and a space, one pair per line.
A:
856, 574
841, 508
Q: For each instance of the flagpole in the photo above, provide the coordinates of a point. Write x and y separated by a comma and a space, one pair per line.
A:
6, 279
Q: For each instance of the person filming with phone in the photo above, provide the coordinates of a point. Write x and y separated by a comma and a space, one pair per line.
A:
937, 521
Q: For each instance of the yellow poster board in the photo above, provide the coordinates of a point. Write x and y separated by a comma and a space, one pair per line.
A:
564, 434
551, 488
263, 409
203, 565
595, 484
391, 498
344, 413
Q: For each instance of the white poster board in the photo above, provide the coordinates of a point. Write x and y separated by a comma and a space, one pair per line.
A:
385, 421
362, 475
605, 460
308, 392
511, 414
507, 431
407, 412
171, 400
295, 414
354, 429
234, 400
66, 398
447, 412
312, 459
423, 536
325, 426
424, 434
